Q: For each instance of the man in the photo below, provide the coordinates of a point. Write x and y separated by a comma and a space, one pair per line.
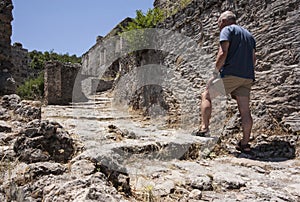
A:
235, 62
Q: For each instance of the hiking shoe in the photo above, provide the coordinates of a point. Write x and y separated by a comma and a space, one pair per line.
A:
244, 148
201, 133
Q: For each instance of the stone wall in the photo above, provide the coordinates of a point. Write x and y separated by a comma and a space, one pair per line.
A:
5, 33
274, 24
94, 60
59, 82
14, 59
102, 60
165, 4
20, 60
6, 80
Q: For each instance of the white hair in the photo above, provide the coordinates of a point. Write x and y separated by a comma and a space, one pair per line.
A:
228, 15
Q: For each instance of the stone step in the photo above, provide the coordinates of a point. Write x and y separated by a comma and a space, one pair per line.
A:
85, 113
154, 147
68, 109
89, 103
98, 118
151, 140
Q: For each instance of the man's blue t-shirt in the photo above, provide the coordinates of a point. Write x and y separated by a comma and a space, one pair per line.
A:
239, 61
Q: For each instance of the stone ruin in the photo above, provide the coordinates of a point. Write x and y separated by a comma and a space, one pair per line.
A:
103, 67
14, 65
59, 82
6, 80
277, 86
20, 64
49, 172
14, 60
278, 60
5, 34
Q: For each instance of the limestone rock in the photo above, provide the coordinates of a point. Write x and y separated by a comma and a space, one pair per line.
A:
201, 183
4, 114
195, 194
44, 141
229, 181
90, 188
4, 127
36, 170
83, 167
10, 101
29, 110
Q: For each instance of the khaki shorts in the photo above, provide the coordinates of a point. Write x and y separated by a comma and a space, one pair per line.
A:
237, 86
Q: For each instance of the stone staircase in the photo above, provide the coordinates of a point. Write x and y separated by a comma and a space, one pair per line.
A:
116, 135
127, 143
154, 161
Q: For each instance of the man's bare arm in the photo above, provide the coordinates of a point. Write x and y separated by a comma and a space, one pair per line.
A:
254, 58
222, 54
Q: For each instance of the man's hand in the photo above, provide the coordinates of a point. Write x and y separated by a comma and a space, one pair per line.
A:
210, 81
214, 77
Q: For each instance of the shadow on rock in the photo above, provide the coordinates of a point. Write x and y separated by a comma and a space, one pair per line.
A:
275, 151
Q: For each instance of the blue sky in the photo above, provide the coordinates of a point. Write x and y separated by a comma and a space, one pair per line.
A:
69, 26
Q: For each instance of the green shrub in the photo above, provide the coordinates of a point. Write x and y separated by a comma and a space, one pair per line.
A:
32, 89
145, 20
134, 34
38, 59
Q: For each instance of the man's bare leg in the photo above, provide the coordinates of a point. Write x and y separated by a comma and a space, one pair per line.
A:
206, 109
247, 122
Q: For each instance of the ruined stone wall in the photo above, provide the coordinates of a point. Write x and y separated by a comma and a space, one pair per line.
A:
52, 82
68, 75
5, 33
59, 82
101, 62
20, 60
274, 24
14, 59
6, 80
95, 60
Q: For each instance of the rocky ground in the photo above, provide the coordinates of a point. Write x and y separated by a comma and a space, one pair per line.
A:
94, 151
